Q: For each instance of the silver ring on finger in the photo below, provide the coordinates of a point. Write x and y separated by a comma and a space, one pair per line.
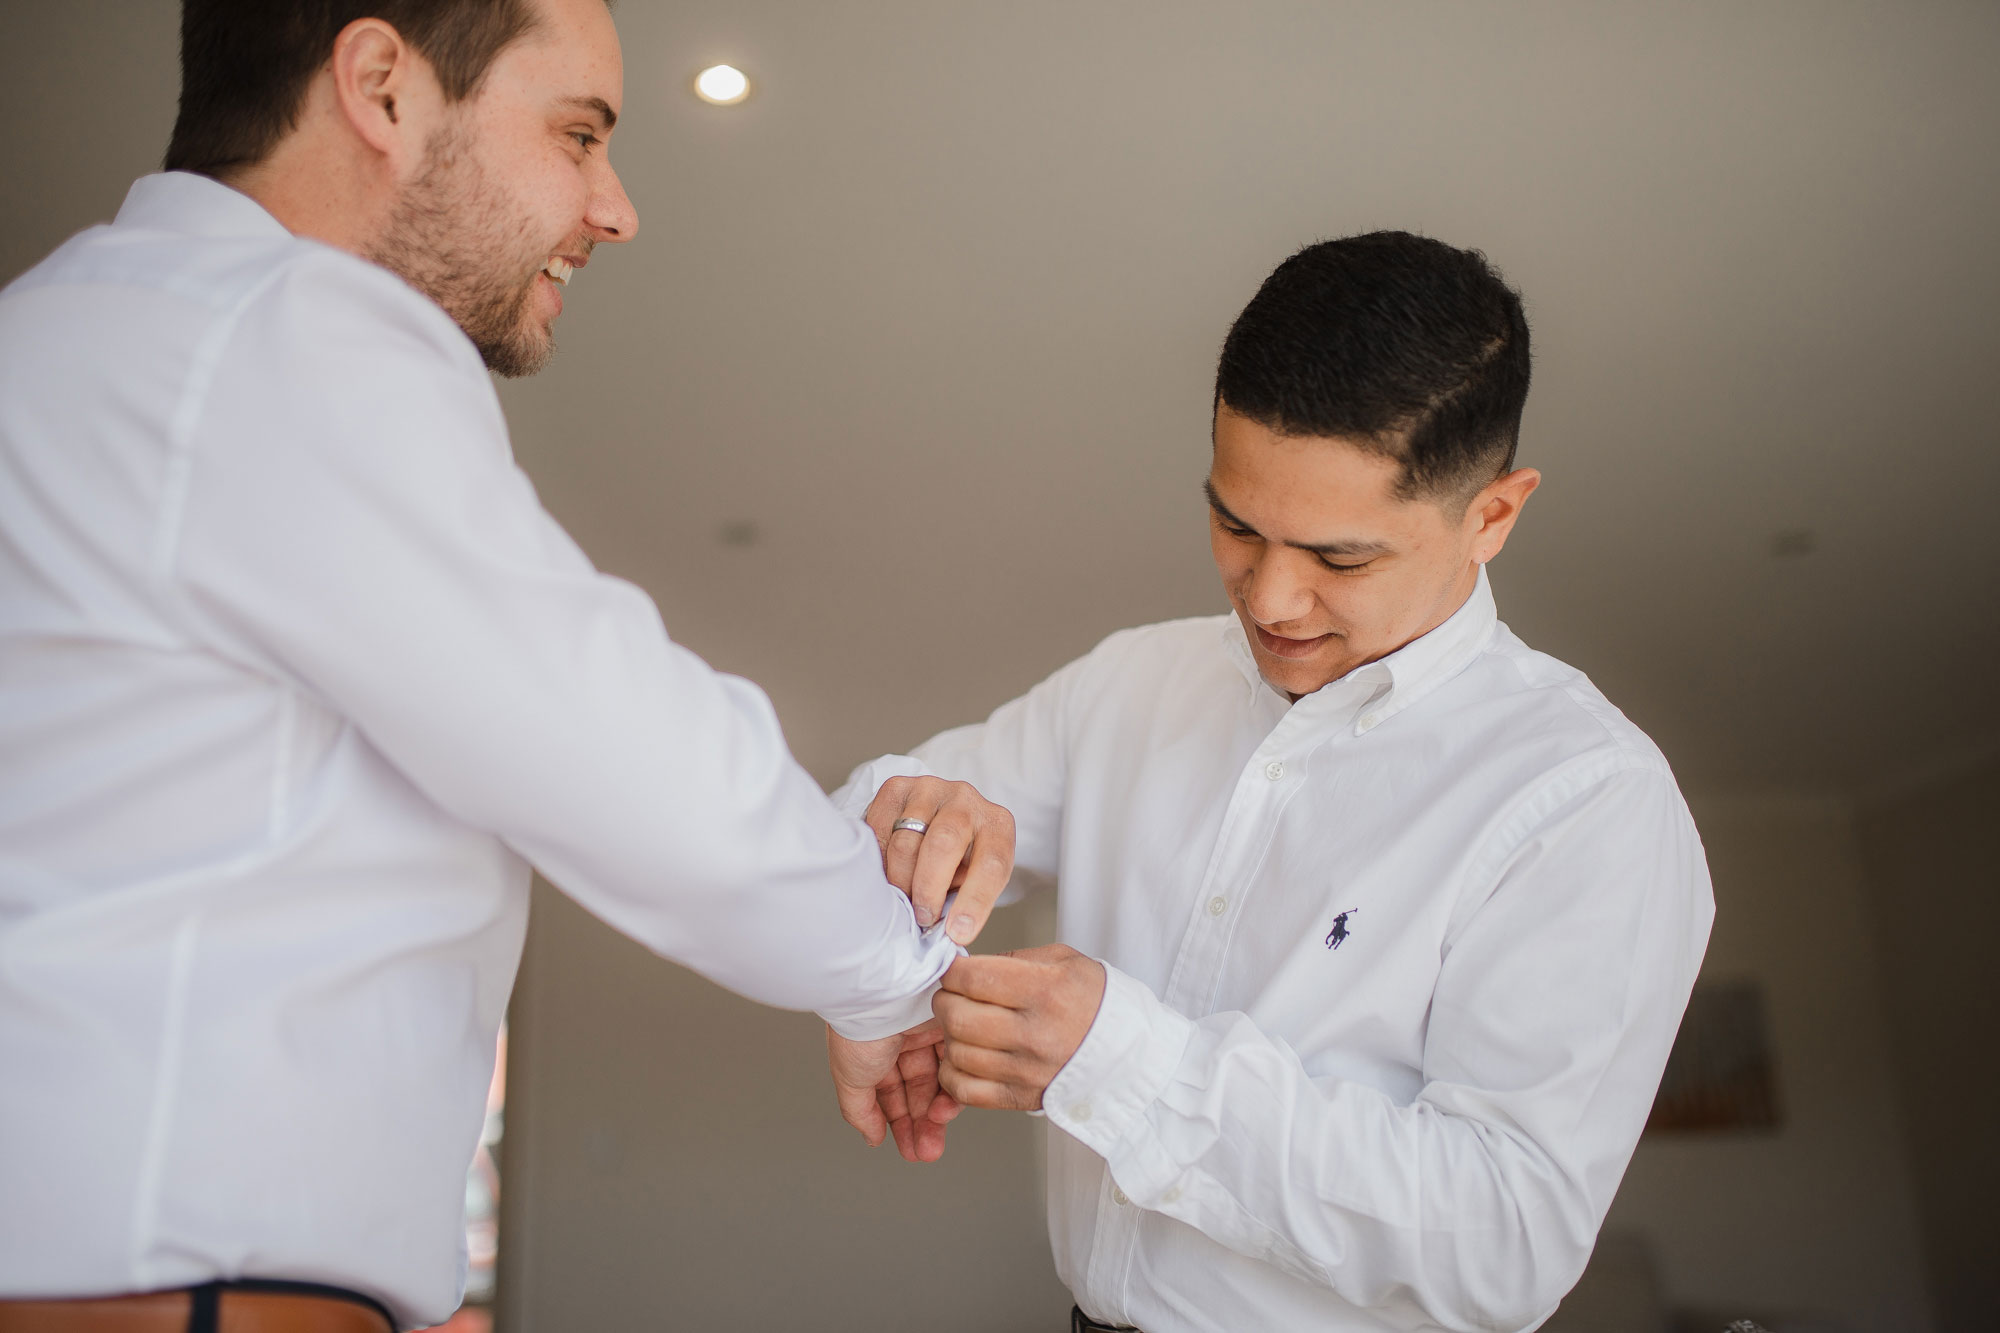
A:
916, 826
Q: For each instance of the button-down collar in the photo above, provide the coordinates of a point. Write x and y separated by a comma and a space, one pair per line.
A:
1394, 682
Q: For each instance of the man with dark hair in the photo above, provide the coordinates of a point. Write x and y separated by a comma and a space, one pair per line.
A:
1378, 923
297, 678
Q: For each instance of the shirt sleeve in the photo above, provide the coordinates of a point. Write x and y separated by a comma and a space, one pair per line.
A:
1556, 1005
347, 516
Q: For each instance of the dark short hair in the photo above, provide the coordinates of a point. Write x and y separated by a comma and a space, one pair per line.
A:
245, 64
1398, 344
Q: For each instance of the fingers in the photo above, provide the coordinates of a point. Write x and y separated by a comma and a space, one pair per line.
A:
901, 847
940, 853
995, 979
1011, 1068
887, 808
860, 1108
968, 842
904, 1132
977, 1023
918, 1084
971, 1090
892, 1096
987, 865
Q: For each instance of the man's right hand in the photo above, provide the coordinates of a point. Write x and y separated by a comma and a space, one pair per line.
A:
967, 844
890, 1087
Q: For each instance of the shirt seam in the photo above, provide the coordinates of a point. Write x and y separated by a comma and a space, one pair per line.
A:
207, 360
166, 1088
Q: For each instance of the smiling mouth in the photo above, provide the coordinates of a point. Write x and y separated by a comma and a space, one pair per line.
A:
559, 270
1279, 646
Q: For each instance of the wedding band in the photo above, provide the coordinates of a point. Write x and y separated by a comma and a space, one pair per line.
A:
916, 826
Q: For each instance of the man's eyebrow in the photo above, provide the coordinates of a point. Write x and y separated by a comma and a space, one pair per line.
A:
1317, 548
597, 106
1215, 503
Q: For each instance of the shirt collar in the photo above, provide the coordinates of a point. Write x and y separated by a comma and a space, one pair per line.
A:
181, 201
1410, 673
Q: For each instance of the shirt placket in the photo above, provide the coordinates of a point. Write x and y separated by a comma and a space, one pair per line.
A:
1269, 779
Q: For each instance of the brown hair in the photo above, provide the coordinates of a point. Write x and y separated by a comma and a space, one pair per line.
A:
245, 64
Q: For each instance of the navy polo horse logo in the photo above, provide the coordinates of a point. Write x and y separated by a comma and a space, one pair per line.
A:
1338, 935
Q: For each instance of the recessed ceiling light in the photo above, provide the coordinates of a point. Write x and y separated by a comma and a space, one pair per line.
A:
723, 85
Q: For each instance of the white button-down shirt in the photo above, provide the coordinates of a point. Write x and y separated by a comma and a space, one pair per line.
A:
1392, 972
296, 679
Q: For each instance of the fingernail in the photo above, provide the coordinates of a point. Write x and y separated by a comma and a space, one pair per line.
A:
961, 929
926, 918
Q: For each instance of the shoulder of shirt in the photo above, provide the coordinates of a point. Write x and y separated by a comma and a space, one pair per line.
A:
227, 278
1560, 705
1161, 649
1190, 631
1132, 671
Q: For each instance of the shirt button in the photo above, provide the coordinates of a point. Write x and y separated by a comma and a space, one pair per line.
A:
1370, 720
1080, 1112
1118, 1196
1172, 1195
1274, 770
1218, 905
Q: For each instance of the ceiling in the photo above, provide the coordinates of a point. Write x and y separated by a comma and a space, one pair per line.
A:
900, 398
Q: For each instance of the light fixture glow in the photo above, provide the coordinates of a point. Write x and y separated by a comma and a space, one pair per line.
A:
724, 85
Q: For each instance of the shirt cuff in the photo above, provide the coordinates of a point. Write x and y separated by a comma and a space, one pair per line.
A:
937, 952
1126, 1060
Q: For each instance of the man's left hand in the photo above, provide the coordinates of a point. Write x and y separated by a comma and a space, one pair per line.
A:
1012, 1021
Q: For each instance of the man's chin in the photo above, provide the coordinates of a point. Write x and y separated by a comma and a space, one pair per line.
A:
522, 355
1299, 677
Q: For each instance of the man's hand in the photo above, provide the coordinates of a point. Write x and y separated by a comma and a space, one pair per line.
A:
1012, 1021
890, 1086
967, 844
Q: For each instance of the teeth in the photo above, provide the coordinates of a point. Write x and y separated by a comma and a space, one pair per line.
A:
559, 269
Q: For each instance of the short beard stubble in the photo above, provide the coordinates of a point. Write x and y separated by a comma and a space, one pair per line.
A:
451, 237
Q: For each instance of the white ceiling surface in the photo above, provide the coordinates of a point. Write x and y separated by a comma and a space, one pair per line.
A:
936, 312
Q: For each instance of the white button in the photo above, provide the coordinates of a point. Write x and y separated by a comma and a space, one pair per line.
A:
1118, 1196
1172, 1195
1218, 905
1081, 1111
1371, 720
1274, 770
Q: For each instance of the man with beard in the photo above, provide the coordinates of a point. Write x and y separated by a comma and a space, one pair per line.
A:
1377, 924
297, 679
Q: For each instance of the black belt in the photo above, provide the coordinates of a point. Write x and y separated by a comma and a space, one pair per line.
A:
1079, 1322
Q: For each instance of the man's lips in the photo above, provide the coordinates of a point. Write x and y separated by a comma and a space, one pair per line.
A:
1279, 646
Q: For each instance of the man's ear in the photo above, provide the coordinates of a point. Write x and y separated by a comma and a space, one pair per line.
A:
372, 71
1493, 511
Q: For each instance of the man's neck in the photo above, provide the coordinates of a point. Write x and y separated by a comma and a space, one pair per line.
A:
316, 185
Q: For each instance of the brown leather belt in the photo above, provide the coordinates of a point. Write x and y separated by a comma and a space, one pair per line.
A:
217, 1308
1079, 1322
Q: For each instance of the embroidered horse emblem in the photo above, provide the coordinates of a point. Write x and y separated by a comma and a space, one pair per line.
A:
1338, 935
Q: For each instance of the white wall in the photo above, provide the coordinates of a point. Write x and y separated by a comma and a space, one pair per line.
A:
1819, 1216
1935, 911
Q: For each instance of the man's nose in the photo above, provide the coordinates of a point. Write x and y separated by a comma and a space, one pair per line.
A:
1275, 592
610, 215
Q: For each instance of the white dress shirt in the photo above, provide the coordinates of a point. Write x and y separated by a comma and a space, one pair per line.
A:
296, 680
1392, 972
